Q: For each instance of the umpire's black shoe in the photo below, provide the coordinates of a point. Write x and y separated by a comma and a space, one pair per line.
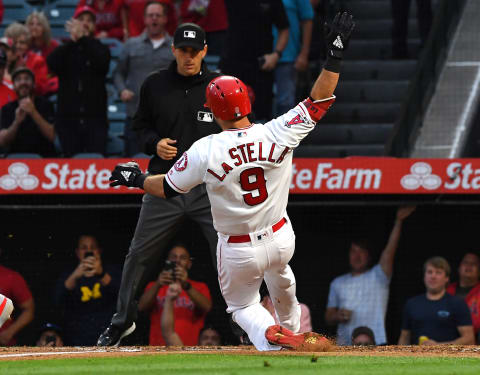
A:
113, 335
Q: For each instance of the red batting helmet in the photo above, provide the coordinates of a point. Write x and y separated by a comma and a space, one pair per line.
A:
227, 98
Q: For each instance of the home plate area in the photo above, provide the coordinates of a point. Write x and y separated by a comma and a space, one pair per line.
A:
22, 353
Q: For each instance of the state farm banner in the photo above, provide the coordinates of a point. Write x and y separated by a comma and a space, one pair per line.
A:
355, 175
61, 176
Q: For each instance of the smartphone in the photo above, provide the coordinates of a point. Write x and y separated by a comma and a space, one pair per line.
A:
89, 254
170, 266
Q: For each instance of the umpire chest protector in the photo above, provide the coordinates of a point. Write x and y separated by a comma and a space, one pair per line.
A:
172, 106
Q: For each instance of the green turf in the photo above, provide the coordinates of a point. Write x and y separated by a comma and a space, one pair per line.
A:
211, 364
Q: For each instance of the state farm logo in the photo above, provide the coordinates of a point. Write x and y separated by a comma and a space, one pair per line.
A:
18, 177
421, 176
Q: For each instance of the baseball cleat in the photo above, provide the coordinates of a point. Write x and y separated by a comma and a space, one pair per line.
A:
6, 308
302, 342
113, 335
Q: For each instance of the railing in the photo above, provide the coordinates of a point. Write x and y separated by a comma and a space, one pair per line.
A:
421, 87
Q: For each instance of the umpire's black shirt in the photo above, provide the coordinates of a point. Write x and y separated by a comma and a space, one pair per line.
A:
172, 106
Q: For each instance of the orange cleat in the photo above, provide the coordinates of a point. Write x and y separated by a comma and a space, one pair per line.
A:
302, 342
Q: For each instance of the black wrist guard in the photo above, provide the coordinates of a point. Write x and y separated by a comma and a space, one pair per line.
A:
332, 64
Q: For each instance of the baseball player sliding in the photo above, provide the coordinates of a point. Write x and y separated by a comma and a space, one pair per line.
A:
247, 171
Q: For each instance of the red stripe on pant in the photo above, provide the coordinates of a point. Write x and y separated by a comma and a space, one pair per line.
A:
2, 306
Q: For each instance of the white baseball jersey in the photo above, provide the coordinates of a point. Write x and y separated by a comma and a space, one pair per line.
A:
247, 171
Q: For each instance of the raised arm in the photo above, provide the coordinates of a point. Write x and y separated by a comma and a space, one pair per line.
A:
337, 37
388, 254
167, 320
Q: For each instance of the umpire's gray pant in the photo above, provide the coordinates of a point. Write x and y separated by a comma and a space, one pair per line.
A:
160, 219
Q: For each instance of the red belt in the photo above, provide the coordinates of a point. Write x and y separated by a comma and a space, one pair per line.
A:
246, 237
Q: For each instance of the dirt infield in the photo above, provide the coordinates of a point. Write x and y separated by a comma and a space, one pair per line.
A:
18, 353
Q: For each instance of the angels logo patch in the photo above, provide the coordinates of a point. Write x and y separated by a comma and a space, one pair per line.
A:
294, 121
181, 163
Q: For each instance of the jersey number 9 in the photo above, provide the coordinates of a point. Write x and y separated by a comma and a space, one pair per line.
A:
259, 185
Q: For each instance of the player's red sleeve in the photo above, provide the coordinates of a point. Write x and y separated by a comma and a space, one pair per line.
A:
317, 109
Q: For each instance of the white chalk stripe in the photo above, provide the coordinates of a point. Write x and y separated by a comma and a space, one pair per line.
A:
33, 354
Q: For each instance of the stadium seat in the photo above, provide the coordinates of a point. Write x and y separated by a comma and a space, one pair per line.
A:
115, 146
141, 155
23, 155
16, 10
212, 61
58, 13
88, 155
115, 46
116, 128
111, 70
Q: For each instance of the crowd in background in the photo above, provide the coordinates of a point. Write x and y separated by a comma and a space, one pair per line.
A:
53, 99
282, 43
178, 306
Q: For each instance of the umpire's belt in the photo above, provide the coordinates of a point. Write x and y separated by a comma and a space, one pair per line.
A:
246, 237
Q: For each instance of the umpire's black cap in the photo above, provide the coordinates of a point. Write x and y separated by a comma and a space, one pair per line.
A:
189, 35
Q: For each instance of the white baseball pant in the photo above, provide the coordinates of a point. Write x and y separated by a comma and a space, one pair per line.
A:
241, 269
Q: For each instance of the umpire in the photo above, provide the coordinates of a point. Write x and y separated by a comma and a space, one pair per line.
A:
170, 117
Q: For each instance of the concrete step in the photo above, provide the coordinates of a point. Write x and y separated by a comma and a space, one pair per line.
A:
377, 70
338, 151
343, 134
375, 28
362, 113
377, 49
371, 91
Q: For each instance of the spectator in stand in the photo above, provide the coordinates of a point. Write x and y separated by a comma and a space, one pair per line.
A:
211, 15
186, 302
7, 94
41, 41
295, 56
24, 57
249, 52
50, 335
87, 293
209, 336
468, 287
133, 12
6, 45
360, 298
108, 17
436, 317
305, 319
14, 287
363, 336
151, 51
400, 10
27, 123
81, 66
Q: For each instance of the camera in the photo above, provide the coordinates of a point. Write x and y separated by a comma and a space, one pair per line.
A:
170, 265
49, 339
